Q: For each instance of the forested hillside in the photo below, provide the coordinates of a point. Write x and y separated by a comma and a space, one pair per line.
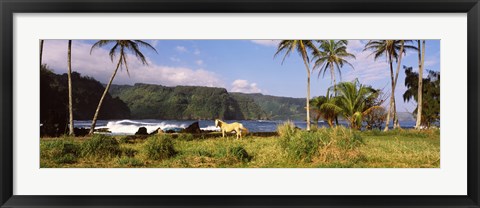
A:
277, 108
193, 102
86, 93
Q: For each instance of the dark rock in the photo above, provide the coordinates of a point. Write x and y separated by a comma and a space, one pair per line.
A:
194, 128
158, 131
80, 132
141, 131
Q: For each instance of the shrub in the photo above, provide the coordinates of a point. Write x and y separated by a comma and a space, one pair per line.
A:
159, 147
129, 152
101, 146
125, 140
286, 129
327, 144
60, 151
239, 153
129, 161
302, 145
185, 137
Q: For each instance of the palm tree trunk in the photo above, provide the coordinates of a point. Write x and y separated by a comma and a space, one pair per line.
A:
41, 52
332, 70
308, 93
399, 64
94, 121
70, 103
387, 123
421, 60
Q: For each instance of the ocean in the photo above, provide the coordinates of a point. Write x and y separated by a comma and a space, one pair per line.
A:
129, 127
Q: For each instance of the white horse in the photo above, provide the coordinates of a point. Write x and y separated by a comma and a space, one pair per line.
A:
227, 128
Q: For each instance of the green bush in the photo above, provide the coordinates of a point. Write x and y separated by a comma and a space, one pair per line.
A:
324, 143
101, 146
129, 161
125, 140
159, 147
60, 151
303, 145
185, 137
129, 152
286, 129
239, 153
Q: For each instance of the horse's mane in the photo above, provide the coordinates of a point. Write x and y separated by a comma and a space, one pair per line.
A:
220, 122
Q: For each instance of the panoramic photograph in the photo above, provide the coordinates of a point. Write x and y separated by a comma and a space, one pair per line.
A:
239, 103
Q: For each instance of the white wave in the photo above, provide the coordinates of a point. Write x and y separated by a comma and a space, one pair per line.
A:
211, 128
130, 127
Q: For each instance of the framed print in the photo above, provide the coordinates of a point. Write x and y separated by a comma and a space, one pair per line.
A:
246, 104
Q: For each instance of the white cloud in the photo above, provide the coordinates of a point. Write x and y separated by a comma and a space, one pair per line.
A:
244, 86
366, 69
174, 59
196, 52
154, 43
181, 49
270, 43
100, 66
199, 62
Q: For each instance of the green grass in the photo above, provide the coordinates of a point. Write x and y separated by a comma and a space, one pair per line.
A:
327, 148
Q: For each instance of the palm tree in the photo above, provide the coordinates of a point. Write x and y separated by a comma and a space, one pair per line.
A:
352, 100
315, 106
332, 54
70, 105
392, 50
421, 62
121, 47
303, 47
328, 108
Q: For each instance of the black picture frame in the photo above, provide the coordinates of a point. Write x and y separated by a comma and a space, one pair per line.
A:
10, 7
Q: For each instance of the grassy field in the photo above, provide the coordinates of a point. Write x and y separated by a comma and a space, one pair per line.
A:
290, 148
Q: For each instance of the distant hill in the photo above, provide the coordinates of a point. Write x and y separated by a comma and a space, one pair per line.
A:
277, 108
86, 93
147, 101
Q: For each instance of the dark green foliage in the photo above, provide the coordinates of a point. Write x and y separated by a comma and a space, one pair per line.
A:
239, 153
327, 144
159, 147
101, 146
62, 151
302, 145
430, 97
276, 108
181, 102
86, 92
148, 101
129, 152
185, 137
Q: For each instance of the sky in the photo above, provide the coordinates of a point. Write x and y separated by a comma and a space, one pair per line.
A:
247, 66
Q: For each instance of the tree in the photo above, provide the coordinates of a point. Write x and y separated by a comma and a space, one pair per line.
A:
303, 47
352, 100
332, 54
70, 105
376, 117
421, 63
393, 50
121, 47
430, 95
315, 106
325, 106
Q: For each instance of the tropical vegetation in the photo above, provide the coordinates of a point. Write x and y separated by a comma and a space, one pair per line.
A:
120, 48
